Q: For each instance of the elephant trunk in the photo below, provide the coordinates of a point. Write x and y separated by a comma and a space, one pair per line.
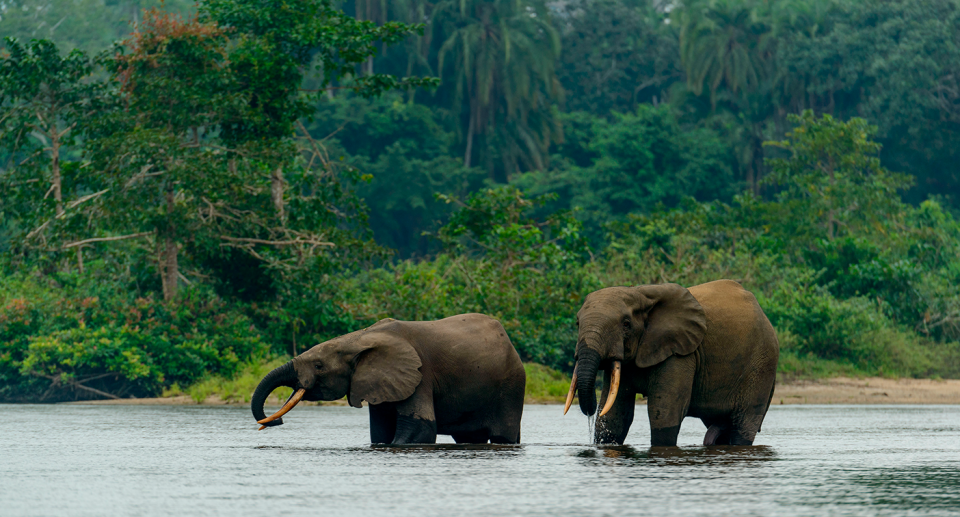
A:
283, 375
587, 364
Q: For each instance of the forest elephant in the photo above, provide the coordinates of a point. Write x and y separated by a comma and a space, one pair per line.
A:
708, 352
458, 376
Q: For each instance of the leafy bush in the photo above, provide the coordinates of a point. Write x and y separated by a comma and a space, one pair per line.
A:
530, 274
61, 341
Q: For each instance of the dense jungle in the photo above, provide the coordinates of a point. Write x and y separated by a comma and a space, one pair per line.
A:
190, 193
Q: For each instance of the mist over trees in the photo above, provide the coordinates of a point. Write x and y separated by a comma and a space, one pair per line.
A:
198, 186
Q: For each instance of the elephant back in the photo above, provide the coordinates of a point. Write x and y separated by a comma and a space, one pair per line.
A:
740, 350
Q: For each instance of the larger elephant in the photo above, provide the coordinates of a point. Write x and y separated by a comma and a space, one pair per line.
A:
458, 376
707, 352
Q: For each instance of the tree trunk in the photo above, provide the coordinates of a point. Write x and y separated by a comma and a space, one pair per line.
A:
276, 191
169, 268
466, 155
55, 167
756, 168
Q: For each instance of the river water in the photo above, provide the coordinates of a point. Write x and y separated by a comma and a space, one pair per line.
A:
194, 460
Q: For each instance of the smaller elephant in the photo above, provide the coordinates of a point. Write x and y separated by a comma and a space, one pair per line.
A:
708, 352
458, 376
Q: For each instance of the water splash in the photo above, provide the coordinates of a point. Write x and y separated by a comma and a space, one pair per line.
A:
591, 427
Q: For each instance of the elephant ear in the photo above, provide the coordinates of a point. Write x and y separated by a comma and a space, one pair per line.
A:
387, 370
674, 323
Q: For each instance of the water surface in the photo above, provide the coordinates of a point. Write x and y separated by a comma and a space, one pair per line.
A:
195, 460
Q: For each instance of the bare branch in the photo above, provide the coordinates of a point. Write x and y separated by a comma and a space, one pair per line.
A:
88, 197
38, 230
298, 240
70, 205
59, 378
106, 239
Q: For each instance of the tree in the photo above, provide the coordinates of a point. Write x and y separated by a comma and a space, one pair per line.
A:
895, 63
632, 163
275, 44
44, 100
410, 155
502, 55
616, 54
727, 52
166, 178
832, 183
200, 156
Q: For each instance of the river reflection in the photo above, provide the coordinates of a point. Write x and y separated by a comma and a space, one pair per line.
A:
627, 456
192, 460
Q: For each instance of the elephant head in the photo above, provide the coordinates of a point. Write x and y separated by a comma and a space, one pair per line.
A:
644, 324
373, 366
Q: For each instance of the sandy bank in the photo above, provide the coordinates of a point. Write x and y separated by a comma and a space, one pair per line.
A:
871, 390
839, 390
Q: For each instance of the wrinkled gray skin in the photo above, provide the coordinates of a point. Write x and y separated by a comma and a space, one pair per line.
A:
459, 376
707, 352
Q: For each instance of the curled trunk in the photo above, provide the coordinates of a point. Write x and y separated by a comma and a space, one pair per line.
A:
587, 364
283, 375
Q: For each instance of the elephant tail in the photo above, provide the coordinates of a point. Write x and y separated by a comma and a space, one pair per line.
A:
769, 401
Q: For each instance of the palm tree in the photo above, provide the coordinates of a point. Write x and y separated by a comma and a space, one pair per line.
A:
502, 54
727, 50
725, 43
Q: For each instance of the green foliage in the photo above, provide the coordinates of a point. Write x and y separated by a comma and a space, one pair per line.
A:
502, 55
67, 336
405, 151
616, 55
545, 384
496, 223
45, 102
236, 387
525, 271
275, 43
240, 153
633, 163
834, 180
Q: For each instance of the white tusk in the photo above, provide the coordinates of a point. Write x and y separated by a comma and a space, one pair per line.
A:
614, 386
573, 387
285, 409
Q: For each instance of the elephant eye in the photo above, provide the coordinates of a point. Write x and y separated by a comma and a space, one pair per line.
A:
626, 325
319, 366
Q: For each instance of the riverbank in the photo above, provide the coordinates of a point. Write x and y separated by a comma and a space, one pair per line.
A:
870, 390
837, 390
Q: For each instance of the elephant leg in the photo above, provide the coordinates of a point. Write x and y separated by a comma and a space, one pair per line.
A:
748, 419
500, 439
670, 390
383, 423
504, 423
411, 429
718, 432
614, 426
481, 436
744, 429
416, 422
